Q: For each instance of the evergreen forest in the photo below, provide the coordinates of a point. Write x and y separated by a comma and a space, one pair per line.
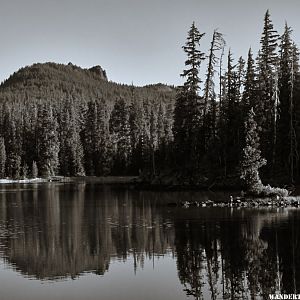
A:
229, 115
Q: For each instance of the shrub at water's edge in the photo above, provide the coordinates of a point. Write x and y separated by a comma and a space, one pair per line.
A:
267, 191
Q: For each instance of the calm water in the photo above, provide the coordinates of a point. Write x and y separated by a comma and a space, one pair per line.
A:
85, 241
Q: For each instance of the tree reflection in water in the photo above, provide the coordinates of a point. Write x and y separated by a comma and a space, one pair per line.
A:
61, 231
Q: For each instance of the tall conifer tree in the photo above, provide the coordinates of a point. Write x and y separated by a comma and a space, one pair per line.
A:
2, 157
267, 74
249, 94
189, 141
121, 140
286, 146
48, 142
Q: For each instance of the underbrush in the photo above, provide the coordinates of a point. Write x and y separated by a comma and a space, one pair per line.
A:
261, 190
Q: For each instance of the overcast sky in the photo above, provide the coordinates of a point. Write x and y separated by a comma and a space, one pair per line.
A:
135, 41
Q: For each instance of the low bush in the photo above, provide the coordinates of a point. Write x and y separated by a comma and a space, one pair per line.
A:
261, 190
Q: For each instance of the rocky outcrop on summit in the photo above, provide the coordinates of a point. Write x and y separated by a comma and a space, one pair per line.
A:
99, 71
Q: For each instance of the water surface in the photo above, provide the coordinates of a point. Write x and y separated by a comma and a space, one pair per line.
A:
90, 241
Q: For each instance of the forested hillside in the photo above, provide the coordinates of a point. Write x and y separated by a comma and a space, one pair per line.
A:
58, 119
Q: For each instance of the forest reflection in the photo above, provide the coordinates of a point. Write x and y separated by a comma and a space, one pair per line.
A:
62, 231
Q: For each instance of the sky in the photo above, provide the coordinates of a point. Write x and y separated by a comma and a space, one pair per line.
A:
135, 41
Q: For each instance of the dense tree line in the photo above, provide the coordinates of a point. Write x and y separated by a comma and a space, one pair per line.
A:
214, 132
65, 120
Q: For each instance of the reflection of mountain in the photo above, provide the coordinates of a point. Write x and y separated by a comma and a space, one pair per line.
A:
63, 231
82, 232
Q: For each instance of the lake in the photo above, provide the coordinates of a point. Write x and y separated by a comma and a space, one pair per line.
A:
91, 241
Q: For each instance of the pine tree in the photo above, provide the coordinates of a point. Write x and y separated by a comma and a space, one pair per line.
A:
286, 146
29, 141
241, 75
193, 62
121, 139
103, 143
24, 171
269, 44
71, 149
97, 144
251, 159
17, 167
230, 121
12, 141
221, 78
295, 96
145, 144
161, 137
2, 157
153, 141
136, 116
249, 94
76, 148
267, 74
48, 143
89, 137
161, 124
188, 139
34, 170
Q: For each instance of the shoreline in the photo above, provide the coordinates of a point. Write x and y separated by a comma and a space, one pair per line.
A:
79, 179
244, 200
238, 202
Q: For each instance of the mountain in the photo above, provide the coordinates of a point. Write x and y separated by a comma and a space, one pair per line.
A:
53, 81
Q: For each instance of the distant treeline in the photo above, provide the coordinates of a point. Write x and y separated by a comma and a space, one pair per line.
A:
58, 119
64, 120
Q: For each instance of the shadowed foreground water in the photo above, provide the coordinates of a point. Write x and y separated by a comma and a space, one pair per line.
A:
89, 241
